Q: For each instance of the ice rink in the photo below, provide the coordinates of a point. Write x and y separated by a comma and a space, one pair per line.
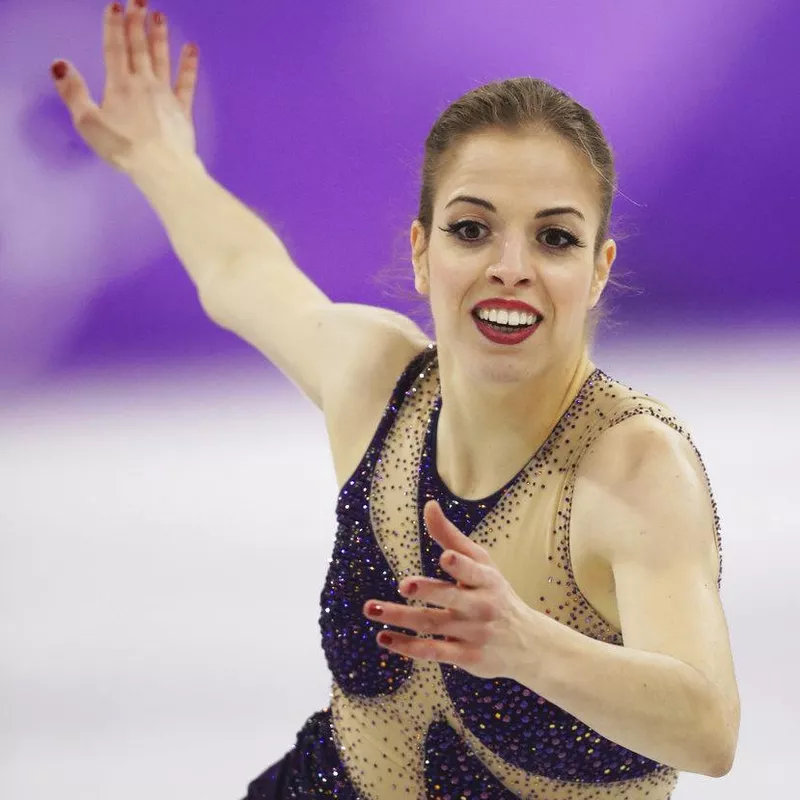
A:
165, 539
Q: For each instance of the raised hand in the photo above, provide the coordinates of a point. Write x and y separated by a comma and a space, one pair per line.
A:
140, 107
483, 620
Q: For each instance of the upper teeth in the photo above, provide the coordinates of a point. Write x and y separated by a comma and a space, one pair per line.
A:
503, 317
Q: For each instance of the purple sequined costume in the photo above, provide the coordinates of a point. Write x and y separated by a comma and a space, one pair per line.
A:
475, 730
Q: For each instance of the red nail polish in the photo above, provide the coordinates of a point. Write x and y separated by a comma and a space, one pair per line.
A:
141, 3
116, 8
384, 638
59, 70
412, 587
191, 50
158, 18
376, 610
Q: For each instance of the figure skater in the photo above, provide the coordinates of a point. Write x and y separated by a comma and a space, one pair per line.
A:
522, 599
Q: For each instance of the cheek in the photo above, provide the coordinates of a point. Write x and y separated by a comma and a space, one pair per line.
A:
449, 283
568, 288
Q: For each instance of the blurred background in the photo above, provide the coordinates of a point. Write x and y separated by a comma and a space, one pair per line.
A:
168, 498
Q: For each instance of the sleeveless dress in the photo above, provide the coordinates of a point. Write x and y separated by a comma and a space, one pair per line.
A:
424, 730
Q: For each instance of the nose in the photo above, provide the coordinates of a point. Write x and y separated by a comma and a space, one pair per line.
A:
515, 268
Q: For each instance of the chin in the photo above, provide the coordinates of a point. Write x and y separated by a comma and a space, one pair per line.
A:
504, 368
486, 363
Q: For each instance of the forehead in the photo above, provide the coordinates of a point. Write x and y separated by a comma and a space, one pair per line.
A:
531, 169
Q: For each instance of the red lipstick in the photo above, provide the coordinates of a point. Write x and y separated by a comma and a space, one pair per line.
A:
508, 305
505, 332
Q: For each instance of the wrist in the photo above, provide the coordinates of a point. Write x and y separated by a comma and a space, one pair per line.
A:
532, 636
155, 162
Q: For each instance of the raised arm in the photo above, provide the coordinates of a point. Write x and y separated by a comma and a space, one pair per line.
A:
245, 278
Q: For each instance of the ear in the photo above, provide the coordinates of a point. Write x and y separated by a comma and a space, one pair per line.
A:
602, 270
419, 257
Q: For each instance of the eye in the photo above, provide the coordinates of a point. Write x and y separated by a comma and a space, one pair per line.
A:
456, 229
559, 239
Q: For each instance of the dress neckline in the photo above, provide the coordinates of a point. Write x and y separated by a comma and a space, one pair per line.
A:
434, 476
429, 447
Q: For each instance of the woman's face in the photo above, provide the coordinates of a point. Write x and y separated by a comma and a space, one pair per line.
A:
526, 237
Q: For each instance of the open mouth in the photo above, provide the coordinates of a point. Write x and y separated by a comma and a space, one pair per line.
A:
506, 327
506, 321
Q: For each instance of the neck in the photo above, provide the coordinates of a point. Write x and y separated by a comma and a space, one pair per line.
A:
487, 433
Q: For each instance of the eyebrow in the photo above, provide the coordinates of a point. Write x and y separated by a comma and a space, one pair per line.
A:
547, 212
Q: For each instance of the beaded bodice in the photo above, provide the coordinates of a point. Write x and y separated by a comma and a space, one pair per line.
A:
421, 729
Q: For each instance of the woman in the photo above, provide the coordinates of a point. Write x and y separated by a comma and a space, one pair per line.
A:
512, 514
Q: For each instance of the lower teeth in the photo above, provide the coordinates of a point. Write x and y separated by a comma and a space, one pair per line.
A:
505, 328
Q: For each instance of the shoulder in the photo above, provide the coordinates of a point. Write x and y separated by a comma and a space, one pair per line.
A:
635, 446
371, 348
351, 321
640, 447
641, 492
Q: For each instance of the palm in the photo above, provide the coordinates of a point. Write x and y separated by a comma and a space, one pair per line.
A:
145, 114
140, 106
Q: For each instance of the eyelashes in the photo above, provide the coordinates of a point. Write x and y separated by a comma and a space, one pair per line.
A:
569, 239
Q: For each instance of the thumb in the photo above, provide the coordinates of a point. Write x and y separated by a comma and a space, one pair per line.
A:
441, 528
87, 116
447, 534
433, 514
73, 90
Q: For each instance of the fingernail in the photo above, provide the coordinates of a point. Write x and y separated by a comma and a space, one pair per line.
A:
141, 3
411, 587
384, 638
376, 610
191, 49
158, 18
116, 8
59, 70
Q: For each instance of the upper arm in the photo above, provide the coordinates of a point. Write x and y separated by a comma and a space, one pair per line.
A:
319, 345
370, 348
642, 504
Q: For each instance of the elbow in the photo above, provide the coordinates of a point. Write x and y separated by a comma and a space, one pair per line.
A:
722, 734
721, 763
711, 756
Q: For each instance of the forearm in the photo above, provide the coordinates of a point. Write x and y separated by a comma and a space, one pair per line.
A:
212, 232
652, 704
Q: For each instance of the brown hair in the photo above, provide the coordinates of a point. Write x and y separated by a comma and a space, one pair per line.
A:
517, 105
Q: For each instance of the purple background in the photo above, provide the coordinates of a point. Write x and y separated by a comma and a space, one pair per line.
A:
315, 113
161, 558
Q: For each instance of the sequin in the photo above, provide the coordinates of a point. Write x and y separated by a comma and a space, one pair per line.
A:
452, 771
312, 769
399, 728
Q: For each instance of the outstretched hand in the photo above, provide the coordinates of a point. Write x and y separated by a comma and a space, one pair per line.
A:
140, 106
481, 617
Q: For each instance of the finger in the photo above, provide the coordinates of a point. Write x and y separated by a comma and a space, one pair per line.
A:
138, 48
115, 46
158, 35
444, 594
474, 604
432, 621
73, 90
186, 80
466, 570
416, 618
457, 653
449, 536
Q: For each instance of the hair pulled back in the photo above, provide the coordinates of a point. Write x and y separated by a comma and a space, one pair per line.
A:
517, 105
